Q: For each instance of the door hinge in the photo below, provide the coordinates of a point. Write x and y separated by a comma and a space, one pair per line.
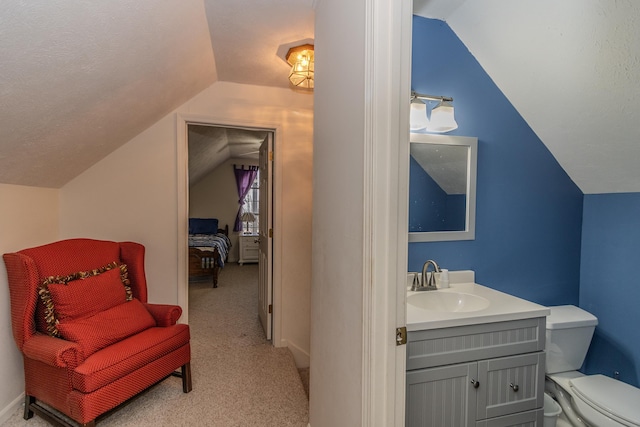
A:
401, 335
271, 156
271, 232
270, 308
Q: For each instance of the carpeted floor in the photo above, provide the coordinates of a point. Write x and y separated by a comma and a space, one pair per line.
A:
239, 378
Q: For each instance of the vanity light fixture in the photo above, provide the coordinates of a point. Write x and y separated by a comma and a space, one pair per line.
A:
418, 119
302, 66
442, 115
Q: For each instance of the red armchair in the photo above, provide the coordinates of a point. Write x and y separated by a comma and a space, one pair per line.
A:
89, 339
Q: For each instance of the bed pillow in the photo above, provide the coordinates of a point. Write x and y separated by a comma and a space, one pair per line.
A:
83, 294
203, 226
107, 327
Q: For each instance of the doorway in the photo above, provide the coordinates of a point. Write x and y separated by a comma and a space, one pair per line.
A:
213, 151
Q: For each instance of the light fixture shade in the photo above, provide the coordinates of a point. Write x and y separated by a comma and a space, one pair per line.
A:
301, 59
442, 118
418, 115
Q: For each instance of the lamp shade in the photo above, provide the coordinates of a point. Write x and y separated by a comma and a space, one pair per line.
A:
418, 115
442, 118
248, 216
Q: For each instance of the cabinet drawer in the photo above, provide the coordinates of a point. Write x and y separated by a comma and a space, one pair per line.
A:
511, 384
250, 243
524, 419
250, 253
446, 346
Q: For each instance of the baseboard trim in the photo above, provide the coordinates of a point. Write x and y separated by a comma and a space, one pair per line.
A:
301, 357
8, 411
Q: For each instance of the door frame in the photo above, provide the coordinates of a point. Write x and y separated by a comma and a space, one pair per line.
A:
182, 226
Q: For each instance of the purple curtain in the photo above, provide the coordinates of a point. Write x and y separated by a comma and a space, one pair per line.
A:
244, 179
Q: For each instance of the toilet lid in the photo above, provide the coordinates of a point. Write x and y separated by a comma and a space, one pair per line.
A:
612, 397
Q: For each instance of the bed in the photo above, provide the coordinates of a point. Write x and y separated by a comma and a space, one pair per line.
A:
208, 248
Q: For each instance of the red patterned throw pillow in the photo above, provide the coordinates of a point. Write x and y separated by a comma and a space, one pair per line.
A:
83, 294
93, 308
107, 327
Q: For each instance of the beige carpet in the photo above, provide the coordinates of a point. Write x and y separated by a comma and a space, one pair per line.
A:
239, 378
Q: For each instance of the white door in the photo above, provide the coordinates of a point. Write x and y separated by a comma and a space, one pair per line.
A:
265, 224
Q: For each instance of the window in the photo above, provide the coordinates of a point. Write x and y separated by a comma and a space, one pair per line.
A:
252, 204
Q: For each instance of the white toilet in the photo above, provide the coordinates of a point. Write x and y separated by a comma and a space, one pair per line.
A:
586, 400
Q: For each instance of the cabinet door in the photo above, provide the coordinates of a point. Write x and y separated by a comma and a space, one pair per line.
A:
510, 384
442, 396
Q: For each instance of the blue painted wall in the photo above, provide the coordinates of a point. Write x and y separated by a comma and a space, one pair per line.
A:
529, 212
610, 285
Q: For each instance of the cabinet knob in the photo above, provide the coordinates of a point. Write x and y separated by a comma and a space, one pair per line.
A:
475, 383
514, 387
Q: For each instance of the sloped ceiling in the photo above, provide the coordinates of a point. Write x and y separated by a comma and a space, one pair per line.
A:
210, 146
571, 68
78, 79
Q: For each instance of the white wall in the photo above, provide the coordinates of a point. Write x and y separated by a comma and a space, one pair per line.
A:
132, 195
28, 217
359, 259
337, 310
216, 196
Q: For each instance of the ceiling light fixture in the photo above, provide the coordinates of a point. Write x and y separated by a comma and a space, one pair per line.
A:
302, 66
442, 115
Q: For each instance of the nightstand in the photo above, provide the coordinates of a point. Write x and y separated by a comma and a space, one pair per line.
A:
248, 248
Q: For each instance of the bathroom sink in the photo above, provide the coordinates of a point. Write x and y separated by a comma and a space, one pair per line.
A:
450, 302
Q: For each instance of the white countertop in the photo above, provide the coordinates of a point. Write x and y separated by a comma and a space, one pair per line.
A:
502, 307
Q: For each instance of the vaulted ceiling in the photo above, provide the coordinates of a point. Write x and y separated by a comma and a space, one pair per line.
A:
78, 79
571, 68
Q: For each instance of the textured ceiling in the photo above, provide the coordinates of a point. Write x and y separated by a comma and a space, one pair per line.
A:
78, 79
210, 146
246, 36
571, 68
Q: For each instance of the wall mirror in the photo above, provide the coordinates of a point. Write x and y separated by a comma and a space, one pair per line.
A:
442, 187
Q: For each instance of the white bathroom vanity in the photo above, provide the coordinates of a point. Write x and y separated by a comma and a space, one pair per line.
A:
475, 357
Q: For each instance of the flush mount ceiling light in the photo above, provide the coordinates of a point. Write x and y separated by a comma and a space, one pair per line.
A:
302, 66
442, 115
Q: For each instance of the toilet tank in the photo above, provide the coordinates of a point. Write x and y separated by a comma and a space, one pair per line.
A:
569, 332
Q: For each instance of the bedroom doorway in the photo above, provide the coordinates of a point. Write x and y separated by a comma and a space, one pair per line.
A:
214, 152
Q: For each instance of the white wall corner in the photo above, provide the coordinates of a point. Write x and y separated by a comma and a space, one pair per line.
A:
8, 411
301, 356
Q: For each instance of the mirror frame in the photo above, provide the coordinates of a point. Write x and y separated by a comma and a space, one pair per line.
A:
469, 233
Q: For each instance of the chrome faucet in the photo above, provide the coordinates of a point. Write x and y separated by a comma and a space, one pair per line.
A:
431, 284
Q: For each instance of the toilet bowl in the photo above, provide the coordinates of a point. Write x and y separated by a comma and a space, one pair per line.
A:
586, 400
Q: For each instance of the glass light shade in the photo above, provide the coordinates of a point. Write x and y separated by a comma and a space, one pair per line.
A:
442, 118
418, 115
302, 70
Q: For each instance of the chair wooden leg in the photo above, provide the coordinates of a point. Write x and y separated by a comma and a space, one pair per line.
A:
28, 400
186, 377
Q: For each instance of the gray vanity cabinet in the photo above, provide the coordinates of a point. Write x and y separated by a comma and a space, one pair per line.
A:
494, 378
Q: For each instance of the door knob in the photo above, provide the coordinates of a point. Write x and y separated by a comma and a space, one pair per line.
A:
475, 383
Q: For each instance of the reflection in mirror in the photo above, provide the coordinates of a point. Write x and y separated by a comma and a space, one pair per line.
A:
442, 177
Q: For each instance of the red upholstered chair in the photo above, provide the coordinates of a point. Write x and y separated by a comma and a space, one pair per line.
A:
108, 343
